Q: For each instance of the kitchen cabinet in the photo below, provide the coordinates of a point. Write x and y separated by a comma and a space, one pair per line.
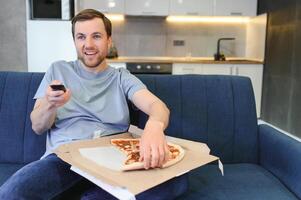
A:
45, 47
186, 68
221, 69
191, 7
255, 73
105, 6
147, 7
235, 7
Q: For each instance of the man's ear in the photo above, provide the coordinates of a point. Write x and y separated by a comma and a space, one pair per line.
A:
109, 42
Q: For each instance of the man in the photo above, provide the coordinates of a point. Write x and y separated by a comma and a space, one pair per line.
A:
95, 101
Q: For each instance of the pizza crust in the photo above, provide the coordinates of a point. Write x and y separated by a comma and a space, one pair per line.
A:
177, 159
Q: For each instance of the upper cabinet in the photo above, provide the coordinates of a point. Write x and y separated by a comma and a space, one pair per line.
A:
147, 7
191, 7
235, 8
105, 6
173, 7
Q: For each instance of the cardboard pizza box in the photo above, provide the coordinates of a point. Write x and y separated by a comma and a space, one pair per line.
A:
125, 185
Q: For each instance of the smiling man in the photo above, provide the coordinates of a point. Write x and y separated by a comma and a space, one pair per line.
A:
95, 101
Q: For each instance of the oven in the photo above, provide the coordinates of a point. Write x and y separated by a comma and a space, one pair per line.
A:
149, 68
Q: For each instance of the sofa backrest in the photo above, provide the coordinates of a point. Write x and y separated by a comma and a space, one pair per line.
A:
215, 109
18, 143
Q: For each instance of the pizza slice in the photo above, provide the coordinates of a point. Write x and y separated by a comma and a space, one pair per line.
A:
126, 145
131, 148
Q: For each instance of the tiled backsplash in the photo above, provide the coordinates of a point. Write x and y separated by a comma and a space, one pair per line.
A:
138, 36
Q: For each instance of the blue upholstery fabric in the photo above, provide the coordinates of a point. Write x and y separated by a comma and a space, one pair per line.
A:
241, 182
217, 110
16, 103
6, 170
281, 155
34, 145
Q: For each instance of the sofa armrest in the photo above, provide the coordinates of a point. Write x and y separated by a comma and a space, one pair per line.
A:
281, 155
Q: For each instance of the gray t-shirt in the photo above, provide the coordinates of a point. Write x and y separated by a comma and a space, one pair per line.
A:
98, 103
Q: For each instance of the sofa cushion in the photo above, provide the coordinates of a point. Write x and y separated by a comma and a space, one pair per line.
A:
6, 170
241, 181
16, 135
217, 110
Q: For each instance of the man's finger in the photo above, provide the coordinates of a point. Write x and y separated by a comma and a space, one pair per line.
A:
147, 157
155, 157
167, 153
162, 156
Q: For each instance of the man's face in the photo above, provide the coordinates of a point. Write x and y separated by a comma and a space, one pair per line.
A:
91, 42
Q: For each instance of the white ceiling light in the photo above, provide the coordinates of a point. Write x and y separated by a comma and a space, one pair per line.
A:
111, 4
115, 17
197, 19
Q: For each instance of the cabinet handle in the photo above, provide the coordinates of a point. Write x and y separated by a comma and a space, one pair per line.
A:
192, 13
148, 13
236, 13
188, 70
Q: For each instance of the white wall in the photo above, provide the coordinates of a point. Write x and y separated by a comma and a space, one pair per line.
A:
256, 36
47, 42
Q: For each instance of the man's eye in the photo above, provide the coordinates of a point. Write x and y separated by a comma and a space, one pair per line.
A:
80, 37
97, 36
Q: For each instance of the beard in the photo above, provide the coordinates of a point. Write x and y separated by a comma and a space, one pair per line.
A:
91, 62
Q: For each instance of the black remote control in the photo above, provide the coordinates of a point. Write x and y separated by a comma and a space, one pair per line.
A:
58, 87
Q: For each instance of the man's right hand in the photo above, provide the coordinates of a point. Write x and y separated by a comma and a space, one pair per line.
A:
57, 98
44, 111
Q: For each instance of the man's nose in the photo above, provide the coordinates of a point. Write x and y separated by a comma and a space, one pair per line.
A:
89, 42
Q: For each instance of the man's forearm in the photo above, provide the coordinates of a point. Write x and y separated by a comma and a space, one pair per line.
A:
42, 116
159, 113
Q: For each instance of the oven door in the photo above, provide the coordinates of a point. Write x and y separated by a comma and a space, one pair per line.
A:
149, 68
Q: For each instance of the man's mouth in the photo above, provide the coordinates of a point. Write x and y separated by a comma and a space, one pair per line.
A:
90, 53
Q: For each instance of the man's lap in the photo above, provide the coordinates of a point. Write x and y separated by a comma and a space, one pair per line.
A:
41, 179
48, 177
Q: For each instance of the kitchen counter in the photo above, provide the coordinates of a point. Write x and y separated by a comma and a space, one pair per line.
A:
204, 60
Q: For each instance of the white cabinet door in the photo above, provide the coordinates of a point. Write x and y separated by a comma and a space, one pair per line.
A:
105, 6
185, 68
191, 7
45, 47
235, 7
147, 7
255, 73
218, 69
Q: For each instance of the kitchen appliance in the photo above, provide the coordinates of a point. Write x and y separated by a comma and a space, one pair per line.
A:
52, 9
218, 56
149, 68
113, 53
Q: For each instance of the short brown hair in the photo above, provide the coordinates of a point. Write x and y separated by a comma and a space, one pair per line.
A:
88, 14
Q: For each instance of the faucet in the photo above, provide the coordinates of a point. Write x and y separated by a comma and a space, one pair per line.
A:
218, 55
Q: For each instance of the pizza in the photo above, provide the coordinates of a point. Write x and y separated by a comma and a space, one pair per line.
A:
131, 147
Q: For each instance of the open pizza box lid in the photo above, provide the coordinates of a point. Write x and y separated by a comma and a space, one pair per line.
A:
125, 185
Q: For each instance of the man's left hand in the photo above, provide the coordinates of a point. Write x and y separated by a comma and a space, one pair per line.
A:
153, 146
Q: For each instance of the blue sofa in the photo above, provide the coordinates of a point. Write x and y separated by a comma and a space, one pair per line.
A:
259, 161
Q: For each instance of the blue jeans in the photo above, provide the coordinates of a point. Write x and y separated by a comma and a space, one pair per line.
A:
41, 179
48, 177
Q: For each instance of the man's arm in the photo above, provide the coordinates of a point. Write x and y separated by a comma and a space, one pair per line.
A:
44, 111
153, 149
